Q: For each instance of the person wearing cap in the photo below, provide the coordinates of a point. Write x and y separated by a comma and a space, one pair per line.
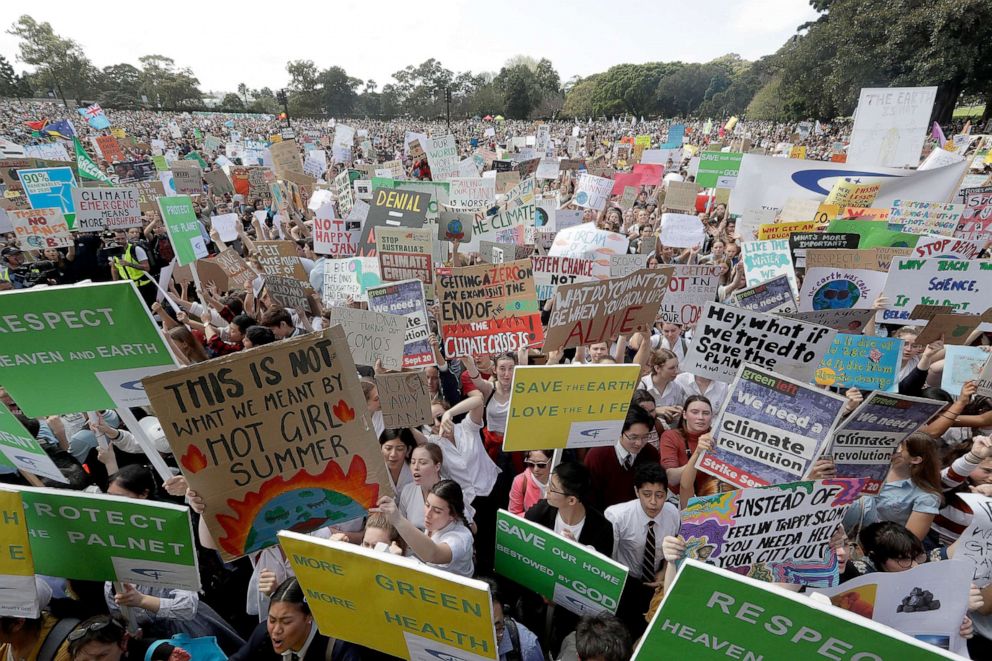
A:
101, 637
134, 265
10, 259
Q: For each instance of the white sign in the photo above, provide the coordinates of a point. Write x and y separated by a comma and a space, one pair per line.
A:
890, 126
681, 230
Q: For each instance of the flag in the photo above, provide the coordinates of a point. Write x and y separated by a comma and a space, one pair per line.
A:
99, 122
36, 126
95, 117
938, 134
87, 168
91, 111
818, 128
731, 123
60, 129
229, 123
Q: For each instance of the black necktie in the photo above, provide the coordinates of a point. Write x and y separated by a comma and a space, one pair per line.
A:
628, 462
647, 562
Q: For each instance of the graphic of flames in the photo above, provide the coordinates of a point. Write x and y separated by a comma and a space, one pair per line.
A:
332, 478
344, 412
194, 460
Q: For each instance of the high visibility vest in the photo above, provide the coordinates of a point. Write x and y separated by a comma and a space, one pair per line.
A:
128, 273
4, 274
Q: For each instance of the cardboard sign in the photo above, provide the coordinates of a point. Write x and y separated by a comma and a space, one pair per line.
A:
405, 254
964, 285
404, 400
861, 361
286, 158
184, 229
392, 208
333, 237
624, 265
549, 272
681, 196
281, 442
148, 194
681, 230
785, 230
471, 193
442, 156
287, 292
774, 296
489, 309
840, 289
350, 277
391, 603
571, 575
18, 591
23, 451
281, 258
951, 328
406, 298
590, 312
698, 619
801, 242
372, 336
187, 178
219, 182
770, 430
890, 125
110, 208
863, 443
775, 533
726, 337
238, 273
95, 537
688, 290
57, 340
455, 226
38, 229
568, 406
843, 258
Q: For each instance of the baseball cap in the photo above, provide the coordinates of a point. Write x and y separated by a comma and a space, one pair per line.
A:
10, 250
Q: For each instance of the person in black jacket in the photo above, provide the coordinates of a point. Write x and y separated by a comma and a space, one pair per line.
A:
290, 629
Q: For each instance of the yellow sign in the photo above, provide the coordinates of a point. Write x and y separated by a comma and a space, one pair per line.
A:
575, 406
826, 212
275, 138
783, 230
643, 141
731, 123
847, 193
120, 134
19, 596
798, 151
391, 603
868, 213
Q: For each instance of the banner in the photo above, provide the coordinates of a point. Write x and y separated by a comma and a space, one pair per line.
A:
50, 188
688, 290
778, 533
489, 309
764, 260
38, 229
890, 125
349, 277
567, 573
726, 337
391, 603
770, 430
405, 254
273, 439
964, 285
404, 400
57, 341
185, 230
586, 242
840, 289
18, 591
406, 298
23, 450
110, 208
568, 406
96, 537
681, 230
590, 312
773, 296
508, 226
863, 443
706, 614
372, 336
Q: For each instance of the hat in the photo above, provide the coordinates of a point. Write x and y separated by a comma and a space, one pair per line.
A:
10, 250
153, 432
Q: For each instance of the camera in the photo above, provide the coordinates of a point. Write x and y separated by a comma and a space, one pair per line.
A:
36, 272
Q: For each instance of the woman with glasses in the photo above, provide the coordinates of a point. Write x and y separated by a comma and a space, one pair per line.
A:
679, 444
530, 486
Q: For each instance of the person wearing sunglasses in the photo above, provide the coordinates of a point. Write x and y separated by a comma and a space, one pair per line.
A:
531, 485
612, 467
100, 638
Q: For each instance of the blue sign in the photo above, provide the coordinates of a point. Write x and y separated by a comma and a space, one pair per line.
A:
861, 361
50, 188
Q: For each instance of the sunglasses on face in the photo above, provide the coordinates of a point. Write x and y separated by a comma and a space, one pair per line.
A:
536, 464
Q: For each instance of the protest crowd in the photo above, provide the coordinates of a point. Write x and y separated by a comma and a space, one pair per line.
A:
637, 386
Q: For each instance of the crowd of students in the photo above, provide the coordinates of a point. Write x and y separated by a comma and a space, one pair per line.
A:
450, 478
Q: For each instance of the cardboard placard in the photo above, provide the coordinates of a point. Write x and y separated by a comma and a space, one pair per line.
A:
372, 336
404, 400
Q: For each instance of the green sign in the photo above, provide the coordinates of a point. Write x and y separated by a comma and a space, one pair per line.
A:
22, 451
95, 537
56, 343
195, 156
569, 574
717, 165
161, 165
711, 613
183, 227
874, 233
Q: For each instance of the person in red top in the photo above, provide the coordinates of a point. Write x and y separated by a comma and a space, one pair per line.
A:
678, 444
612, 467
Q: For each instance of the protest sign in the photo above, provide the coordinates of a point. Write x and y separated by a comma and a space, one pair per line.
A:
961, 364
801, 242
185, 230
784, 230
726, 337
799, 209
498, 253
404, 400
442, 156
235, 268
455, 226
706, 614
773, 295
471, 193
941, 247
509, 226
406, 298
287, 292
273, 439
219, 182
681, 196
333, 237
775, 533
861, 361
586, 242
18, 591
718, 169
598, 311
890, 125
950, 328
58, 339
110, 208
568, 406
834, 288
867, 213
964, 285
489, 309
623, 265
392, 208
925, 217
770, 430
349, 277
549, 272
187, 178
850, 321
109, 149
571, 575
977, 216
23, 450
391, 603
593, 192
281, 258
864, 441
681, 230
372, 336
975, 543
750, 222
38, 229
286, 158
148, 194
688, 290
849, 193
50, 188
97, 537
764, 260
844, 258
927, 602
405, 254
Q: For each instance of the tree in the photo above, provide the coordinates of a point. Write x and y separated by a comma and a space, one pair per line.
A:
304, 97
579, 101
264, 101
8, 79
243, 91
120, 86
166, 86
60, 63
232, 103
338, 91
547, 78
520, 91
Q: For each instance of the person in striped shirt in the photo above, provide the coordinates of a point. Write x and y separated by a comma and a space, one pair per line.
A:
969, 469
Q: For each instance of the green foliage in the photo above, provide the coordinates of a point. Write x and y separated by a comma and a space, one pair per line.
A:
232, 103
767, 102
